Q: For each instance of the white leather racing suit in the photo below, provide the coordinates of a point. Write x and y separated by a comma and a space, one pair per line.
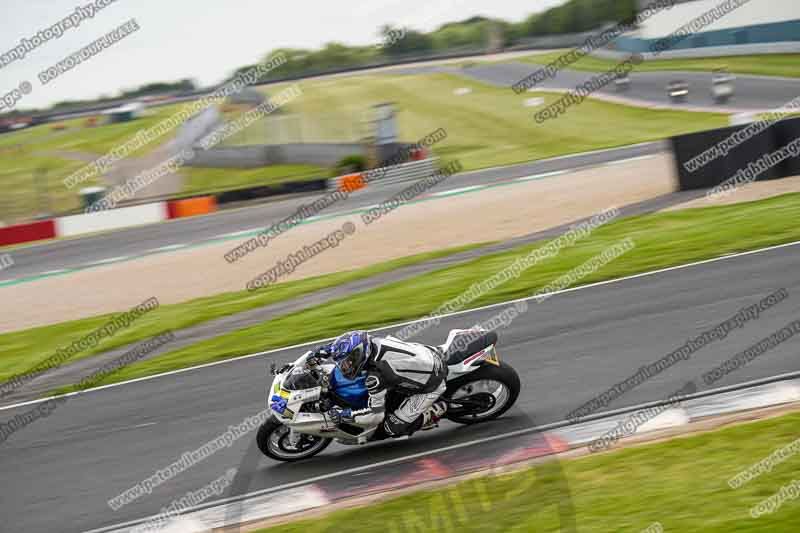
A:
414, 371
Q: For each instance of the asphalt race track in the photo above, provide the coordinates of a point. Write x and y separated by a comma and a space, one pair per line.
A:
61, 471
752, 92
134, 242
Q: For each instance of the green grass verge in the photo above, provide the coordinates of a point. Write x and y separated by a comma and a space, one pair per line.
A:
35, 161
96, 140
662, 240
681, 484
785, 65
32, 186
489, 126
21, 350
211, 180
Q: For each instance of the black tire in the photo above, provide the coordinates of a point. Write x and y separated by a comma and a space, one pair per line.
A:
504, 373
263, 441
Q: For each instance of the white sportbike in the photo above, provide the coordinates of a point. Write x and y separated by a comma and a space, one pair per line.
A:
480, 387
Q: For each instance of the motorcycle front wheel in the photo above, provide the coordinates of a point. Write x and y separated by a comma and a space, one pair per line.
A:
482, 395
273, 441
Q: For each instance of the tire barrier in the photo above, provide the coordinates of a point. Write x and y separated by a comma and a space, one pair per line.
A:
696, 173
265, 191
351, 182
787, 131
136, 215
190, 207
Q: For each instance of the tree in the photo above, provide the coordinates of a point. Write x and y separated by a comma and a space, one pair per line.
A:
413, 43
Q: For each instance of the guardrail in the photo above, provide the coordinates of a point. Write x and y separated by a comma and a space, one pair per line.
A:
413, 170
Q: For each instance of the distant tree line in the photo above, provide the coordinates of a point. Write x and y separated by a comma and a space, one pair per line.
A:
150, 89
574, 17
472, 34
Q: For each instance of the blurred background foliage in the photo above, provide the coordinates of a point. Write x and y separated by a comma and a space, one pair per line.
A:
474, 34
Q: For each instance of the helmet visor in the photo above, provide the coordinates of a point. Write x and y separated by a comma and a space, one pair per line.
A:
348, 366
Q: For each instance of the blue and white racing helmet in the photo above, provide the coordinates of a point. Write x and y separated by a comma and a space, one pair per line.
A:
350, 351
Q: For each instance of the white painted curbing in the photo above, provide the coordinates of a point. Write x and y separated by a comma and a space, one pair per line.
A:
668, 419
259, 508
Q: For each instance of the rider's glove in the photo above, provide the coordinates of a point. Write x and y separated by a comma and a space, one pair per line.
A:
338, 415
323, 352
278, 404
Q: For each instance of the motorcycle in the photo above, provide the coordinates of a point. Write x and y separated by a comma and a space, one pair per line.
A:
722, 88
480, 387
622, 82
678, 91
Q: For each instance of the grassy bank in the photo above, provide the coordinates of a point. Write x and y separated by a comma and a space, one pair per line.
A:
681, 484
785, 65
20, 350
35, 161
97, 140
212, 180
662, 240
33, 185
489, 126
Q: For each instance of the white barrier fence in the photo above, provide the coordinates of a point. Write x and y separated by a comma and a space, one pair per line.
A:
111, 219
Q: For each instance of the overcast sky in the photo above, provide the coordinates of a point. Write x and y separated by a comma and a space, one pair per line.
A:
206, 39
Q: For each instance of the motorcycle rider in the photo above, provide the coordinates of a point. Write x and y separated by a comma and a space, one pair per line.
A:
415, 371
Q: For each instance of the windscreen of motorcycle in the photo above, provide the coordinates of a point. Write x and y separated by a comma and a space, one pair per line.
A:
300, 381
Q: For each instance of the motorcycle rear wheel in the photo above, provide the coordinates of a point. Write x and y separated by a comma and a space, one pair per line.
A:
273, 441
493, 388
